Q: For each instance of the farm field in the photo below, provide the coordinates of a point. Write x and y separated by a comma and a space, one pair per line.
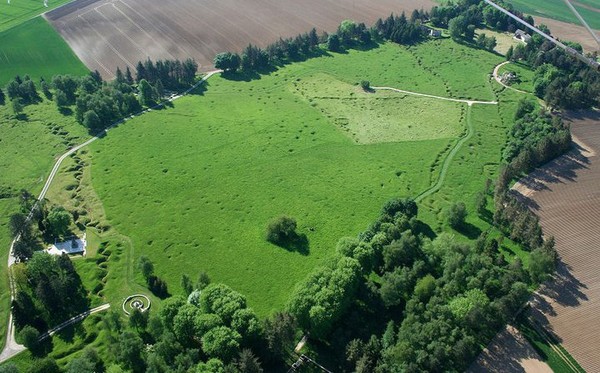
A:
34, 48
272, 151
565, 196
558, 10
106, 34
16, 12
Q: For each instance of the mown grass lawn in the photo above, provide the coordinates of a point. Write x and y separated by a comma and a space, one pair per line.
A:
35, 48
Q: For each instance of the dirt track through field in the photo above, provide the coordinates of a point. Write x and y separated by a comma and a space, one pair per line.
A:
566, 196
110, 33
509, 352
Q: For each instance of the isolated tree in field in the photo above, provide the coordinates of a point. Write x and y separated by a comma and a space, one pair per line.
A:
457, 215
146, 92
145, 266
281, 230
365, 85
58, 221
30, 336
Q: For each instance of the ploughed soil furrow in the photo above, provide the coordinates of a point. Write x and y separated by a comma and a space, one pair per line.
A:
566, 196
200, 29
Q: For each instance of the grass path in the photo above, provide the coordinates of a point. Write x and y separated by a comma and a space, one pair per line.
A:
440, 181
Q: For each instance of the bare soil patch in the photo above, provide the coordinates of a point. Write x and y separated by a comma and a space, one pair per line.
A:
110, 33
566, 196
571, 32
509, 352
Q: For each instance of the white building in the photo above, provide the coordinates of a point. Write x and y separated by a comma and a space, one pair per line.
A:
74, 245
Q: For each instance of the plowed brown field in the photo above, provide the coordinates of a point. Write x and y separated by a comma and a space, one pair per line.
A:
110, 33
566, 196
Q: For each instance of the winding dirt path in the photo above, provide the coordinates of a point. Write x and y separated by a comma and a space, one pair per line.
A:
448, 159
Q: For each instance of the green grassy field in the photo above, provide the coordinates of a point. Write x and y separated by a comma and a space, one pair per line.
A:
557, 9
279, 147
28, 149
193, 187
36, 49
19, 11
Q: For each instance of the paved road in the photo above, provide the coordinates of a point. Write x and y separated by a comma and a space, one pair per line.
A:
11, 346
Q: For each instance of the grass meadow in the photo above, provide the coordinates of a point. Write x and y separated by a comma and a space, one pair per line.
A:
194, 187
35, 48
19, 11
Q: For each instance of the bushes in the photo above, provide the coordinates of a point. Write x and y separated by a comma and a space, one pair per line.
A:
281, 230
156, 285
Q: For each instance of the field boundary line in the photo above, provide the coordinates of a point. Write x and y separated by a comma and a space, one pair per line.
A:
11, 347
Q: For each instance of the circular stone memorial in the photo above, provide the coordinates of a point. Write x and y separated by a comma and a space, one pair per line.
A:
137, 301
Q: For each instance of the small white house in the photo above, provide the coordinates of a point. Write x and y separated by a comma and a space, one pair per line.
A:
72, 246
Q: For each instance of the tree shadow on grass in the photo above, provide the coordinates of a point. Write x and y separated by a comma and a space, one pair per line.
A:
295, 242
66, 111
471, 231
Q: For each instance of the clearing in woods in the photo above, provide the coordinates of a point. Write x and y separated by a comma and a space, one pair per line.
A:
247, 151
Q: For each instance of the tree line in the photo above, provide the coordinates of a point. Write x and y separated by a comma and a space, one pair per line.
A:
98, 103
398, 29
